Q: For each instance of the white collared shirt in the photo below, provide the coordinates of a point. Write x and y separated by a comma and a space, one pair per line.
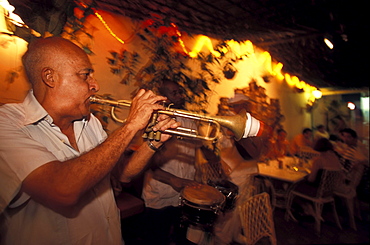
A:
177, 158
29, 139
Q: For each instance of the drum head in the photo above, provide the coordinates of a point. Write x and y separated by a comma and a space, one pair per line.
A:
203, 195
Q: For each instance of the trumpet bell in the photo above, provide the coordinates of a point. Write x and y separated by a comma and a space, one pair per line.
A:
236, 124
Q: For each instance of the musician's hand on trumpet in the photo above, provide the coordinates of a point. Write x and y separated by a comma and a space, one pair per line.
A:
144, 104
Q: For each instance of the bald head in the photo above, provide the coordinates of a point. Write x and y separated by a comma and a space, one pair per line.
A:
49, 52
62, 79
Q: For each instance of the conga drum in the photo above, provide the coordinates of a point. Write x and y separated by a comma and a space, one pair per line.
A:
201, 205
229, 190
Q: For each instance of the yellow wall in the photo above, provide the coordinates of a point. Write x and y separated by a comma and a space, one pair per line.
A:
291, 102
13, 85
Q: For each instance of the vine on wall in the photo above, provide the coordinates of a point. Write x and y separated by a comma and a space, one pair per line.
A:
168, 61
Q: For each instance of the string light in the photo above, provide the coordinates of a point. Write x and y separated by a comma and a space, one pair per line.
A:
178, 33
14, 18
102, 21
246, 50
242, 49
328, 43
203, 41
107, 27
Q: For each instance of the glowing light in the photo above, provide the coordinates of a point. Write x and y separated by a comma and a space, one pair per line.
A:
241, 50
102, 21
265, 58
14, 18
328, 43
291, 81
351, 106
245, 50
298, 84
107, 27
276, 71
178, 33
317, 94
203, 41
294, 81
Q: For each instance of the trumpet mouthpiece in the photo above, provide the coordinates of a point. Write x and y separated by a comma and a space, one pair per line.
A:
92, 98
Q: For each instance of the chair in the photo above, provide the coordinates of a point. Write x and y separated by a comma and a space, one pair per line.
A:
348, 192
264, 184
128, 197
318, 196
257, 220
129, 205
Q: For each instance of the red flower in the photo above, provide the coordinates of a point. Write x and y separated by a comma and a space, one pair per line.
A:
163, 29
147, 23
79, 13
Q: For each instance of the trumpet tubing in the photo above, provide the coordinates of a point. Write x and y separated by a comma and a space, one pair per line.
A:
117, 103
113, 103
235, 123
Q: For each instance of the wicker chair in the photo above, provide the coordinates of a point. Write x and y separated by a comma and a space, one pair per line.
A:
347, 192
320, 196
257, 219
264, 184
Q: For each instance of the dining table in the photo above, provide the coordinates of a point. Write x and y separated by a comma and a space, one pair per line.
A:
280, 175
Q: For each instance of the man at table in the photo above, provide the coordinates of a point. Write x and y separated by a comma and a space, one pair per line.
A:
352, 148
302, 141
320, 133
355, 159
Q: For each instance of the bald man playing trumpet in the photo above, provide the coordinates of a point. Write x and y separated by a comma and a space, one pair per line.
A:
55, 158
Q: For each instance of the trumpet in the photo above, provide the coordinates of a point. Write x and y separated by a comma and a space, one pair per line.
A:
236, 124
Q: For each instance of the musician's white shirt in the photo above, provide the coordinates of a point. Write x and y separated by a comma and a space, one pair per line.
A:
178, 158
28, 140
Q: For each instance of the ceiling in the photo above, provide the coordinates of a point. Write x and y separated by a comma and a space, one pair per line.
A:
292, 31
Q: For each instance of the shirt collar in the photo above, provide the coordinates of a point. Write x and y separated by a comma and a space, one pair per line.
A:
33, 110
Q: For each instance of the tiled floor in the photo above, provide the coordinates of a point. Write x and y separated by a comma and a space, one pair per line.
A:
287, 232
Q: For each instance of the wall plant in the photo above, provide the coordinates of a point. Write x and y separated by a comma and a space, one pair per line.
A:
167, 60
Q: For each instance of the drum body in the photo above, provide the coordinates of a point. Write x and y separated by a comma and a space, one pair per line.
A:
229, 190
201, 205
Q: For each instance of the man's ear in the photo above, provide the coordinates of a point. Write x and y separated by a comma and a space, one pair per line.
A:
47, 74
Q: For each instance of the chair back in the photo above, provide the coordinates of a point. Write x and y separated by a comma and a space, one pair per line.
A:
329, 180
307, 153
350, 181
256, 218
355, 175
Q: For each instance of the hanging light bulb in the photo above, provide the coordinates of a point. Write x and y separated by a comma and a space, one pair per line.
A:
317, 94
351, 106
8, 11
3, 26
328, 43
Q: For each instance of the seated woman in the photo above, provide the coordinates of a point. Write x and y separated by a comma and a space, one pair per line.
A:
327, 160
